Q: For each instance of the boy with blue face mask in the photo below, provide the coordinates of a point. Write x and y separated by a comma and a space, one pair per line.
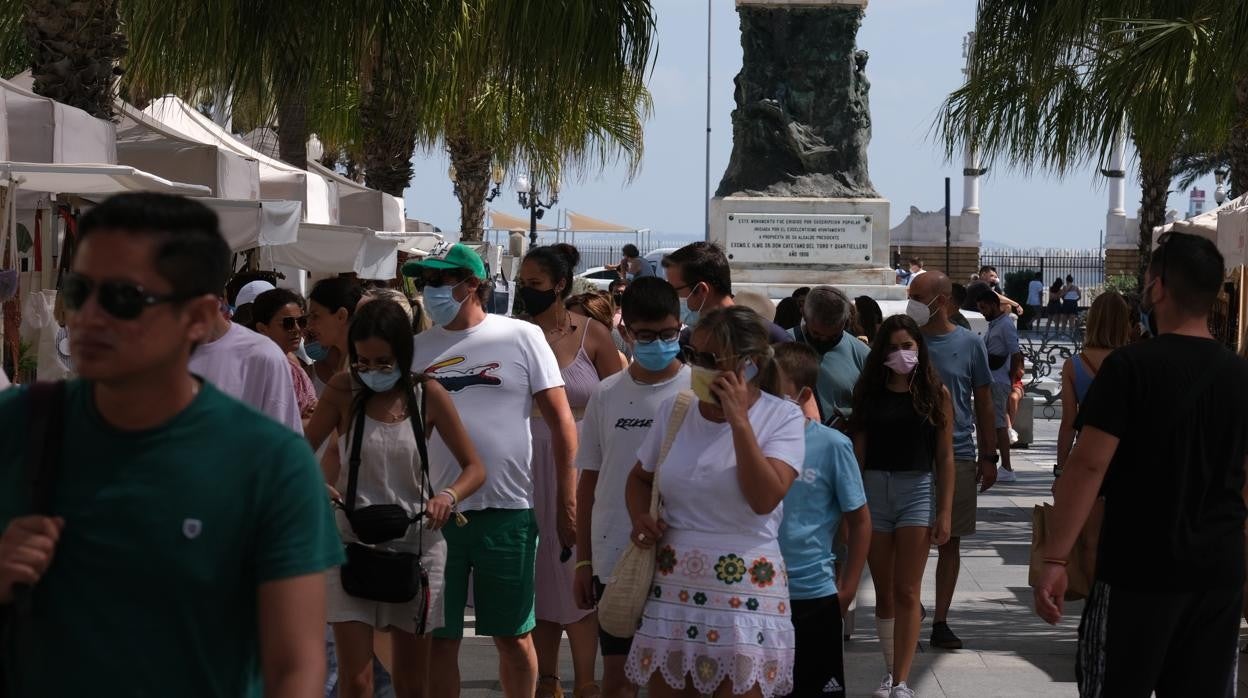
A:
617, 419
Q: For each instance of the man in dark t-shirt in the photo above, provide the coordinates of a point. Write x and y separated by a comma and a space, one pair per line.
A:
1163, 437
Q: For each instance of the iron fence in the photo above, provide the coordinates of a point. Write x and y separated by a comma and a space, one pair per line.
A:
1087, 267
600, 254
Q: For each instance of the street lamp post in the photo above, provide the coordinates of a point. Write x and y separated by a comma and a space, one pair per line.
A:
530, 199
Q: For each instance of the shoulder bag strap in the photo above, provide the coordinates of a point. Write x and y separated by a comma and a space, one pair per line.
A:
43, 450
679, 409
353, 464
418, 418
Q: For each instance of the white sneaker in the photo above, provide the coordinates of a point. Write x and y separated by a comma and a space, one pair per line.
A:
1004, 475
1013, 436
886, 687
901, 690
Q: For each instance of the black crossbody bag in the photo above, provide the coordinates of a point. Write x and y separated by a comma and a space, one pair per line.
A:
45, 434
382, 575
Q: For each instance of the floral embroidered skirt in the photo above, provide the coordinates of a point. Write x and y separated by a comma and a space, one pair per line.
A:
718, 609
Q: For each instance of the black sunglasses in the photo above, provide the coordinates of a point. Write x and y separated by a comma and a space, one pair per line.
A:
122, 300
289, 323
704, 359
433, 279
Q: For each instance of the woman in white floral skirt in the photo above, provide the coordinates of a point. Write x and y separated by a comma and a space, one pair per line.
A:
717, 621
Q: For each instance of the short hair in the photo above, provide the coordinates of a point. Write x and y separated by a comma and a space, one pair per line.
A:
557, 261
1039, 276
268, 303
190, 252
916, 262
799, 363
630, 250
597, 306
1109, 322
987, 268
1070, 279
337, 293
649, 299
616, 283
702, 262
977, 292
801, 292
1191, 268
828, 305
959, 295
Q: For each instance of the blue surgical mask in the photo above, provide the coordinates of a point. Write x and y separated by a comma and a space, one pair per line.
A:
688, 315
656, 355
315, 350
380, 381
441, 304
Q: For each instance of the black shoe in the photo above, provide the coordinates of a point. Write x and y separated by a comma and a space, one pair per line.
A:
944, 638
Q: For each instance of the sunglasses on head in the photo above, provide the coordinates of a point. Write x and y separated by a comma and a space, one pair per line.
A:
121, 299
289, 323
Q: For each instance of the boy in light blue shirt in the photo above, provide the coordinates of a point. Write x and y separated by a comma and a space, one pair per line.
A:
829, 490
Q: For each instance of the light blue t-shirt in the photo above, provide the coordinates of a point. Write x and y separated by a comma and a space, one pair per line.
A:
1002, 340
838, 374
830, 485
962, 360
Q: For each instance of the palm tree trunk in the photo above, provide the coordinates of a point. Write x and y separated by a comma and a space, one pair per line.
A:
75, 50
292, 129
1155, 176
389, 137
1238, 146
472, 183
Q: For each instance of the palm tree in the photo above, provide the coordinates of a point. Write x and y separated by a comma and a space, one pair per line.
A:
1055, 84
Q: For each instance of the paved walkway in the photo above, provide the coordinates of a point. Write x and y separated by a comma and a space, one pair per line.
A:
1008, 650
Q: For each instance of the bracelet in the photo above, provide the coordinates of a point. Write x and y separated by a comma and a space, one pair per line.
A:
582, 564
454, 496
1056, 561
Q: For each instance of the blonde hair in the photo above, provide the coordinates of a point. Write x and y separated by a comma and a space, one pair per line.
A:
744, 332
1109, 322
389, 294
597, 306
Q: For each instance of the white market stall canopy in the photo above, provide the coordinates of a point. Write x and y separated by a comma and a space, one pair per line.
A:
337, 249
362, 206
91, 179
412, 242
146, 143
247, 224
580, 223
38, 129
278, 180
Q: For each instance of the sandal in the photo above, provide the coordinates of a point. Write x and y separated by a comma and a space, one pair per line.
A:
548, 687
589, 690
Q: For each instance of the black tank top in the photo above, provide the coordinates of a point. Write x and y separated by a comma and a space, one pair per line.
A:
899, 439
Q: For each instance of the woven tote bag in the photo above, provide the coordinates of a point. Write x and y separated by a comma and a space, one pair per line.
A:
626, 593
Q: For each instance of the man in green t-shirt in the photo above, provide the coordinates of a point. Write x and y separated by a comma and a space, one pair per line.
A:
190, 533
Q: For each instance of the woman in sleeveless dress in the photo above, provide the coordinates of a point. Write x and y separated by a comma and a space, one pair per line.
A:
380, 390
586, 355
1109, 327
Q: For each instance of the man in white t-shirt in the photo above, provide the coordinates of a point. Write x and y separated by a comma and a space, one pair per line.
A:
619, 416
496, 369
1035, 297
250, 367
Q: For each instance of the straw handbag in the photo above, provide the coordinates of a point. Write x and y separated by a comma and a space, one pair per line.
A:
626, 593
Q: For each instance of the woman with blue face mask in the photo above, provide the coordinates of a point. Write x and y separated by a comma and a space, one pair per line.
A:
330, 307
389, 411
586, 354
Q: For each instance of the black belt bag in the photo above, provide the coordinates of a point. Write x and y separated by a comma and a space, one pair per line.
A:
384, 575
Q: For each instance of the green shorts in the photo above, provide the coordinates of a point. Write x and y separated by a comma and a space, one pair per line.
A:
498, 549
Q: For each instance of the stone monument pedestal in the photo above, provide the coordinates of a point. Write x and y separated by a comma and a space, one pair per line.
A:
777, 244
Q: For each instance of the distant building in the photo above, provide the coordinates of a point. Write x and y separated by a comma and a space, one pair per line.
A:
1196, 203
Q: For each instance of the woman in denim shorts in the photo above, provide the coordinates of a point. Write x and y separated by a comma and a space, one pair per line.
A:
903, 436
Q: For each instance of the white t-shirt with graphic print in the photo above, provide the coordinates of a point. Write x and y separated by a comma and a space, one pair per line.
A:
492, 372
619, 415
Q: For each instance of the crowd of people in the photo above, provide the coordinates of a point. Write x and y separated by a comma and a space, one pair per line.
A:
417, 456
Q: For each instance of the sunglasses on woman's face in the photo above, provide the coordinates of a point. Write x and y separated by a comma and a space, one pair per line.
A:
705, 359
121, 299
289, 323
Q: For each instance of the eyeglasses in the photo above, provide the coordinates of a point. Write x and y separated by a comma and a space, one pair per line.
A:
648, 336
121, 299
289, 323
369, 368
705, 359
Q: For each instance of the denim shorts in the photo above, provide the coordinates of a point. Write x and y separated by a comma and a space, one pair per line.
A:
898, 499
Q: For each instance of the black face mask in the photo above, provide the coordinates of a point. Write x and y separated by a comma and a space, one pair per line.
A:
822, 346
536, 302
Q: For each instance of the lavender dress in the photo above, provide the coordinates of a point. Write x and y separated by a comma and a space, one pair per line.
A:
555, 602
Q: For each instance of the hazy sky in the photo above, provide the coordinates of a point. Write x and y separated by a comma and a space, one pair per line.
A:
916, 60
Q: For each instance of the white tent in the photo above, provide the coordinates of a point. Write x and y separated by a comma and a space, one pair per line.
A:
90, 179
278, 180
146, 143
38, 129
362, 206
336, 249
247, 224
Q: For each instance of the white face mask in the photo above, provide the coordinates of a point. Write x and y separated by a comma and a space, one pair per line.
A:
918, 311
